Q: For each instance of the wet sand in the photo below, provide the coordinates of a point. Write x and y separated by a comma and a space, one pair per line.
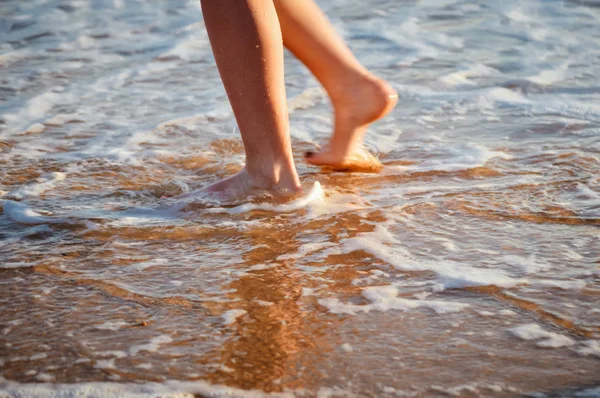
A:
468, 267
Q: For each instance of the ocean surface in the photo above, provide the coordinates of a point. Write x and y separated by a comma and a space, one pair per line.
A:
469, 267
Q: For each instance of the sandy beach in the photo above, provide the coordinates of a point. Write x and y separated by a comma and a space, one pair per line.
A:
469, 267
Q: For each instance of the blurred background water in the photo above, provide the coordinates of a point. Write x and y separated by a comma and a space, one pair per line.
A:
469, 267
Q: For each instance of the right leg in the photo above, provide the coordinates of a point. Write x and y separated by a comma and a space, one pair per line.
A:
246, 40
358, 97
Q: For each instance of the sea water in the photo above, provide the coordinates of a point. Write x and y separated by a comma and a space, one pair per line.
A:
468, 267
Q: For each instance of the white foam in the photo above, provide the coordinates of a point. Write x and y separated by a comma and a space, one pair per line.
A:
462, 77
111, 325
314, 202
168, 389
307, 99
533, 331
384, 298
452, 157
45, 377
561, 284
591, 347
260, 267
60, 119
383, 245
503, 95
518, 15
112, 353
105, 364
584, 200
346, 347
550, 76
424, 43
529, 265
305, 249
35, 128
231, 316
40, 105
331, 392
40, 355
150, 263
316, 194
588, 111
44, 183
194, 45
264, 303
153, 345
20, 213
34, 110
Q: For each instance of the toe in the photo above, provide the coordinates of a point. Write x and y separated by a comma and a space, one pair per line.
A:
319, 158
360, 161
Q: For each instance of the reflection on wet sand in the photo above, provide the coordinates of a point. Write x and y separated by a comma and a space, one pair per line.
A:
263, 351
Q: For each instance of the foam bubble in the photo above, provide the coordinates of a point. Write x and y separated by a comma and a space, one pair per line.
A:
111, 325
23, 214
346, 347
503, 95
305, 249
45, 377
561, 284
451, 157
533, 331
153, 345
150, 263
549, 76
44, 183
462, 77
105, 364
316, 194
382, 244
231, 316
591, 347
168, 389
529, 265
261, 267
35, 128
384, 298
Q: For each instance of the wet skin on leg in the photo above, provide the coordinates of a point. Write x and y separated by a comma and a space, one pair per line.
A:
358, 97
246, 40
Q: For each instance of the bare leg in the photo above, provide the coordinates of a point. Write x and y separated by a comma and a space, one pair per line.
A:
358, 97
246, 40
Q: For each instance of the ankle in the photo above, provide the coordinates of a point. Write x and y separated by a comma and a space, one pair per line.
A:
278, 175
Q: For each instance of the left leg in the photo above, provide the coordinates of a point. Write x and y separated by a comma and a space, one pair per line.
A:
358, 97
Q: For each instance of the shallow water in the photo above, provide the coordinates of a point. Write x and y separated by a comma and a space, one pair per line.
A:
469, 267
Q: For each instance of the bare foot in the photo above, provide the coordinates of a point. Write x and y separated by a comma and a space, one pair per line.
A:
243, 185
360, 161
360, 104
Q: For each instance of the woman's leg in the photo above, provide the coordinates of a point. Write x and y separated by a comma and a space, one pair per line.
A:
358, 97
246, 40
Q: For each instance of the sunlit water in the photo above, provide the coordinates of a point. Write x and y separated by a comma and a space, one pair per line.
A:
468, 267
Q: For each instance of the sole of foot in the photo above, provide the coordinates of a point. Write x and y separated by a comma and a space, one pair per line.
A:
359, 161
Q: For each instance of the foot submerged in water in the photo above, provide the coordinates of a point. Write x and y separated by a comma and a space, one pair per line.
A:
361, 104
243, 185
